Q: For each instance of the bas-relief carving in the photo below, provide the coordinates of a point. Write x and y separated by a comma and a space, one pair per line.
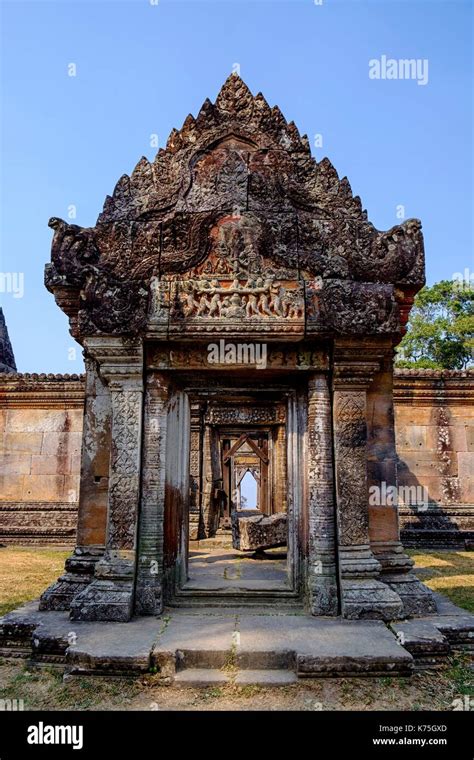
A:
124, 475
237, 195
237, 300
277, 358
350, 446
241, 415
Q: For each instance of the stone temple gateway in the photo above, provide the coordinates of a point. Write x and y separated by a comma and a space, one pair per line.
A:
238, 314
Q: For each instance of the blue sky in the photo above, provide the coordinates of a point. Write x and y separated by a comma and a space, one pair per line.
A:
141, 68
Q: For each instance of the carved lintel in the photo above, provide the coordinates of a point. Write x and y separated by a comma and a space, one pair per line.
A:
225, 414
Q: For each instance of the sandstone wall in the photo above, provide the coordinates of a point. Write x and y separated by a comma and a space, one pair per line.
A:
40, 449
434, 419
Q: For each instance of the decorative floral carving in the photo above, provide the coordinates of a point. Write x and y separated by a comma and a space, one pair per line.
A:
351, 466
124, 469
241, 415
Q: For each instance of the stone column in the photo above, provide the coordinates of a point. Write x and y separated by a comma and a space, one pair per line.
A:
362, 595
92, 513
322, 581
149, 587
110, 595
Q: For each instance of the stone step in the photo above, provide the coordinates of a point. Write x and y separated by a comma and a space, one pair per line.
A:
431, 639
265, 678
309, 647
236, 641
285, 601
202, 677
199, 677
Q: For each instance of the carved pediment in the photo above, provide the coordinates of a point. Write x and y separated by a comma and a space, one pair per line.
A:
235, 195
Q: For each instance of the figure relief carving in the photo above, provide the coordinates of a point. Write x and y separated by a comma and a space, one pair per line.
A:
157, 309
262, 299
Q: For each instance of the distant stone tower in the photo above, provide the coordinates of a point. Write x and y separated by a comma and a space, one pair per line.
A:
7, 359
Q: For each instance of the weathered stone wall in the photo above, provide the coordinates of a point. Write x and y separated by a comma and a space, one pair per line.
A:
434, 419
41, 420
40, 434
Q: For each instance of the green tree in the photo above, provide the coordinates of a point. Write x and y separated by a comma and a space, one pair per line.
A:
440, 329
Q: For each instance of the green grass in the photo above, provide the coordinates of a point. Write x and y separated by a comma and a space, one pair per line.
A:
26, 571
450, 573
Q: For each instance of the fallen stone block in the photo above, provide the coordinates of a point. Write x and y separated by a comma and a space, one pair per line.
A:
253, 531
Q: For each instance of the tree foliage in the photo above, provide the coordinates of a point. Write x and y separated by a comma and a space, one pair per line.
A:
440, 329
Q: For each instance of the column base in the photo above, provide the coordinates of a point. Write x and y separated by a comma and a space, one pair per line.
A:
110, 595
358, 562
369, 599
149, 589
323, 593
323, 597
79, 574
392, 557
417, 599
148, 600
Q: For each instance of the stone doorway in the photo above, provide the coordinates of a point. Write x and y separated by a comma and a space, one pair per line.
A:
245, 465
236, 283
239, 535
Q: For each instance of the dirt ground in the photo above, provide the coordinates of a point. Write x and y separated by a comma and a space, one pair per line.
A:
45, 689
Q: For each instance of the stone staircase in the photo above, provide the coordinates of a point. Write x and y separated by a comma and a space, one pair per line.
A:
210, 646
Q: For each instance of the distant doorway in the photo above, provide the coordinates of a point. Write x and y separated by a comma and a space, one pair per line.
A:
242, 544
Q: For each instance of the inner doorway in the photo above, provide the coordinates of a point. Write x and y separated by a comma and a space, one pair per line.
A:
245, 465
238, 530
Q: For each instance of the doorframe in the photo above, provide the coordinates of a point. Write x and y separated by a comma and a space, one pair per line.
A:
295, 475
266, 459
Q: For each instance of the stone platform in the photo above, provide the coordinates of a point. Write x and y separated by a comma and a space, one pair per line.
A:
206, 646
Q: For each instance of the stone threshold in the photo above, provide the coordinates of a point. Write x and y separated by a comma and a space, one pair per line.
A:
235, 641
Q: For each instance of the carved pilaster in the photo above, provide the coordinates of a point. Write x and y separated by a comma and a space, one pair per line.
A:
149, 587
80, 566
110, 595
322, 581
196, 528
361, 594
383, 512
